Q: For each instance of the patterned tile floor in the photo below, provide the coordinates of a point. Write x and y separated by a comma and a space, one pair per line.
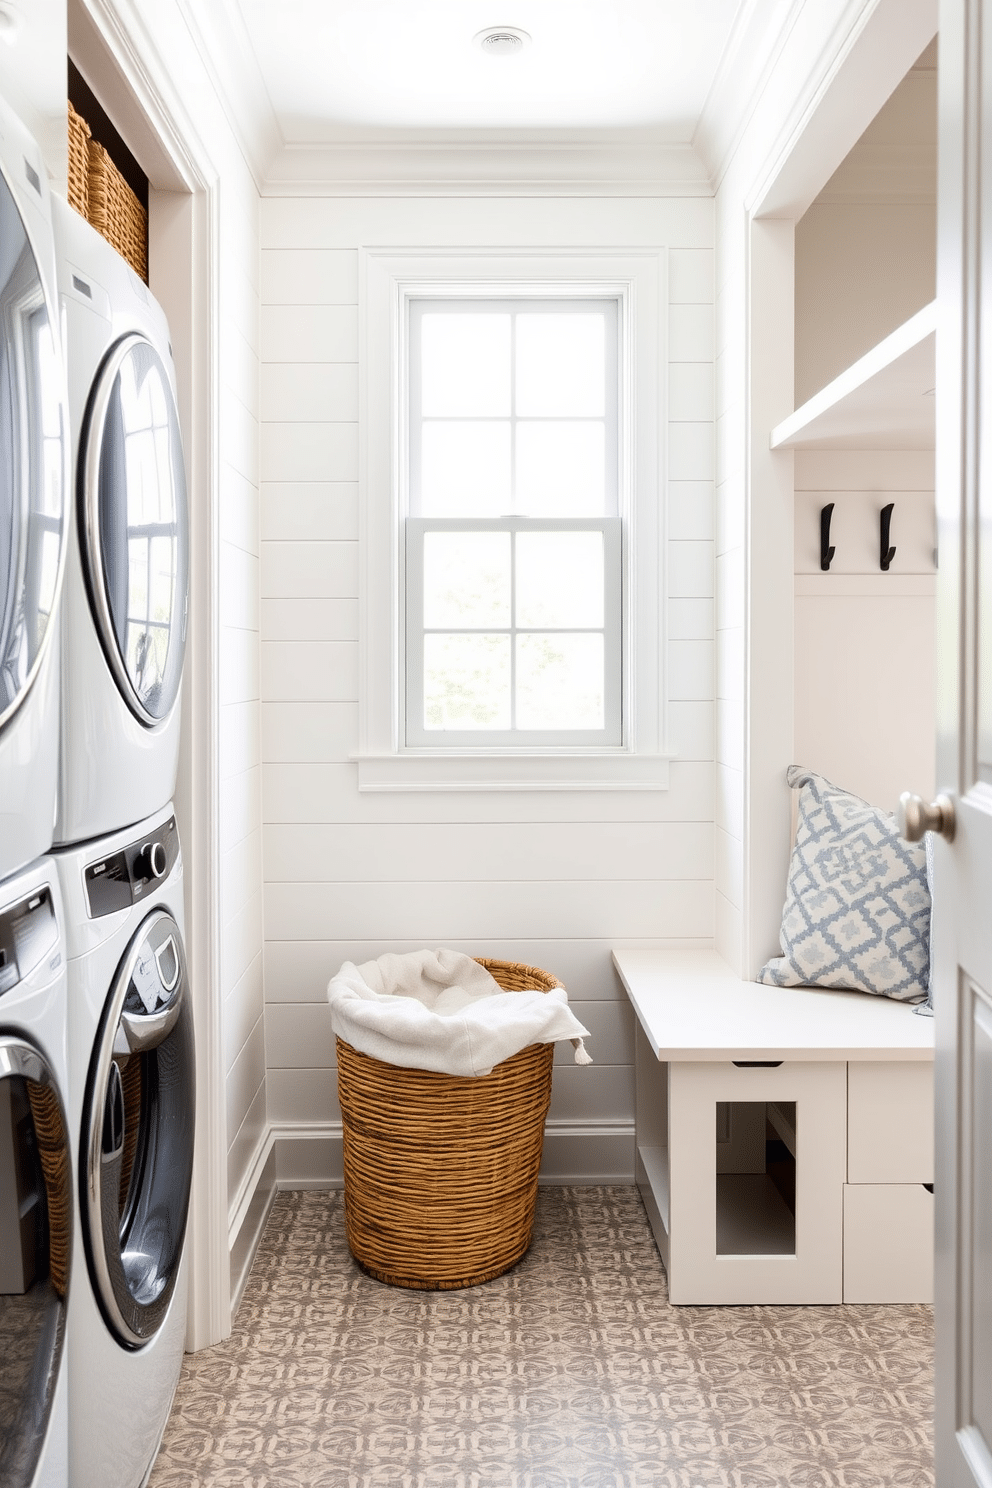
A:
571, 1371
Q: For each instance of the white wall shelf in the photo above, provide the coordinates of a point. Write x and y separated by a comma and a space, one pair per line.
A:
883, 401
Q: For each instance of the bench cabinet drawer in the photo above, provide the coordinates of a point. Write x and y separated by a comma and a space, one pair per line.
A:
890, 1122
888, 1242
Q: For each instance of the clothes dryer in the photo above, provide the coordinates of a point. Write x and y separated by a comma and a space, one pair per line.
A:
34, 438
36, 1230
131, 1103
126, 589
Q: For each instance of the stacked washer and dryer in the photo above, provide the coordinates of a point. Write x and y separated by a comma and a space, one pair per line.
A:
130, 1033
96, 1025
36, 1158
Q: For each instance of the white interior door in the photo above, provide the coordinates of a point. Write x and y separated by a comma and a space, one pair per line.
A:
963, 867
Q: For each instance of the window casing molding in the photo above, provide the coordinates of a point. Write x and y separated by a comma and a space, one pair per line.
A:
389, 279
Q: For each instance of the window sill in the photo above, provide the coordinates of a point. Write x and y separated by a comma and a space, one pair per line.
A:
477, 770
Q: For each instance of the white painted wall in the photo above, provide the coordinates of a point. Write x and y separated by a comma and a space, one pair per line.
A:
554, 879
864, 640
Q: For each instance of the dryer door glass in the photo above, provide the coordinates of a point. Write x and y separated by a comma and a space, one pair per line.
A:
35, 1249
32, 470
136, 530
138, 1133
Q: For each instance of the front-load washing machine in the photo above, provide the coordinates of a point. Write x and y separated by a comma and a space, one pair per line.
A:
36, 1210
131, 1107
126, 588
34, 440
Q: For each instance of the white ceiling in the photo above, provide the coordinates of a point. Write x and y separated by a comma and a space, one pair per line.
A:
333, 68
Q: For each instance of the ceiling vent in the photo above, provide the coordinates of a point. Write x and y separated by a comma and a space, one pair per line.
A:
502, 41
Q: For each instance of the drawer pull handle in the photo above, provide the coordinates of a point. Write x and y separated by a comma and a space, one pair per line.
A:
928, 1187
756, 1063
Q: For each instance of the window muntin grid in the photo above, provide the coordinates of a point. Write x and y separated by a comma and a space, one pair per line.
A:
525, 395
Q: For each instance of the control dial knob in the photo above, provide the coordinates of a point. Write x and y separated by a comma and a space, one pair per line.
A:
152, 861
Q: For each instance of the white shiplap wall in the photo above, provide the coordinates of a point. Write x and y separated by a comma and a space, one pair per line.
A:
551, 878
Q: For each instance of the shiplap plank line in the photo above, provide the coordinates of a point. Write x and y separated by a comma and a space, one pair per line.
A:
435, 912
564, 852
298, 971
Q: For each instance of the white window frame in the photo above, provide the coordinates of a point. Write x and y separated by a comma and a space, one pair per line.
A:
389, 279
517, 740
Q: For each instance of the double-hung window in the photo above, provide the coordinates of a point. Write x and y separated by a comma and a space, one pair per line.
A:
511, 519
513, 553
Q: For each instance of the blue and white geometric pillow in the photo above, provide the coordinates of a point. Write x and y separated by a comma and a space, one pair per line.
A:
857, 902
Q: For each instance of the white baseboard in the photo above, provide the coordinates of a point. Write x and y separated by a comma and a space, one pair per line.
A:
245, 1196
244, 1243
292, 1156
587, 1153
309, 1156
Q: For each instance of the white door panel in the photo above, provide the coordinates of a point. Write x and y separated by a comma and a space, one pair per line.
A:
963, 867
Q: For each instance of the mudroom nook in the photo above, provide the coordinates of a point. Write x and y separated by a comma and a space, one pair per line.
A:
494, 505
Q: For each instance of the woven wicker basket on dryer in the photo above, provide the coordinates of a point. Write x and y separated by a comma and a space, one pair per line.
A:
79, 163
440, 1171
100, 193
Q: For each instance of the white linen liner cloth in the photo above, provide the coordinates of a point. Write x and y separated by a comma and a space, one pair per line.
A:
442, 1011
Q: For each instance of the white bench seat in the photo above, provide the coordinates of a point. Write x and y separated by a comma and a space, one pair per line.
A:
721, 1065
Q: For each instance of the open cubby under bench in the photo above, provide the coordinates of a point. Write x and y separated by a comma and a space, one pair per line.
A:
784, 1136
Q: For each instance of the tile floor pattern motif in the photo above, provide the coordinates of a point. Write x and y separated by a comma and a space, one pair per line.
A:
571, 1371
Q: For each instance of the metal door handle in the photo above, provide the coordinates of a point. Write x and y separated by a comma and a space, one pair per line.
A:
144, 1031
916, 818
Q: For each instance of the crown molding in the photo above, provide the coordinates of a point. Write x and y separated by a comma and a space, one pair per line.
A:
757, 36
563, 163
222, 41
405, 162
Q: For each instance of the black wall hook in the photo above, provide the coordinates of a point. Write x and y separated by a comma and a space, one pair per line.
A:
826, 551
885, 553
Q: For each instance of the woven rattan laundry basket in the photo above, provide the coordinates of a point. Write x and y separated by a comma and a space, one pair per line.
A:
440, 1171
100, 193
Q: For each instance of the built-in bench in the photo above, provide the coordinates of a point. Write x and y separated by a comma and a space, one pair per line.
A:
784, 1136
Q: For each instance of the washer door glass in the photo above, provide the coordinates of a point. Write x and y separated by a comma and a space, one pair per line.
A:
138, 1134
135, 526
32, 470
35, 1250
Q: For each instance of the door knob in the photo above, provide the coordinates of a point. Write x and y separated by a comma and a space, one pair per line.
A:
916, 818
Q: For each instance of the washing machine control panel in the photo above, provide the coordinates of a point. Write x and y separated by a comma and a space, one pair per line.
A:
125, 877
28, 930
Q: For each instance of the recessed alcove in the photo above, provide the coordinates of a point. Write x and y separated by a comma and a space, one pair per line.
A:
863, 438
756, 1201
